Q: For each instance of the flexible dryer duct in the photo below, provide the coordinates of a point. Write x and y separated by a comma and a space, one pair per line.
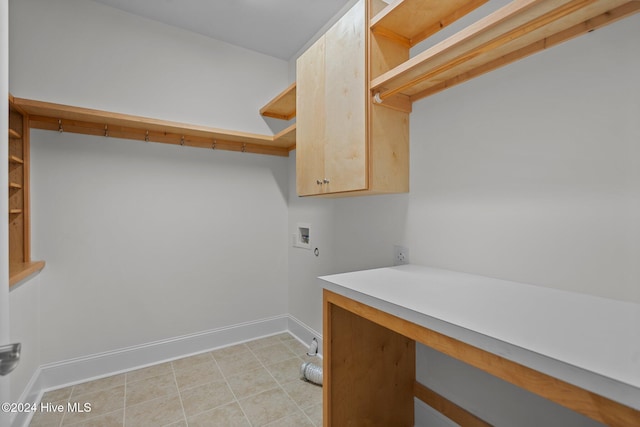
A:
311, 372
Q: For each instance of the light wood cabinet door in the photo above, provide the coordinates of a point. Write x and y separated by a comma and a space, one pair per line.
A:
311, 121
331, 145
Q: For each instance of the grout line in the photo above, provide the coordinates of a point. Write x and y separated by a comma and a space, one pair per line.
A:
175, 379
281, 385
235, 398
124, 406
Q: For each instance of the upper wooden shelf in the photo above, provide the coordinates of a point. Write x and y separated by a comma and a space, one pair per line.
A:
282, 106
64, 118
411, 21
515, 31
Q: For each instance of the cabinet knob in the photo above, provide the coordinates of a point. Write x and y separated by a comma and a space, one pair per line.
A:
318, 182
326, 181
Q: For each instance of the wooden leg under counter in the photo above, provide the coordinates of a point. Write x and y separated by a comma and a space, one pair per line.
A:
369, 372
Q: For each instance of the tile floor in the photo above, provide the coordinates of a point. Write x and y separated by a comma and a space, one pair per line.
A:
251, 384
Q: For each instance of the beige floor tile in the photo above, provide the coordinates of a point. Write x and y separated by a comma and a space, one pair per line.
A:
251, 382
286, 371
194, 388
228, 416
102, 402
315, 414
199, 374
148, 372
46, 419
273, 353
264, 342
59, 395
298, 419
303, 393
296, 347
112, 419
232, 351
154, 413
151, 388
205, 397
192, 360
239, 363
97, 385
268, 406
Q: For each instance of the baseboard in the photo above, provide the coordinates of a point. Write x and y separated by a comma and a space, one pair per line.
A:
56, 375
304, 333
32, 393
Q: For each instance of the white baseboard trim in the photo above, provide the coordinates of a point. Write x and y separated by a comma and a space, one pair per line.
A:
304, 333
88, 368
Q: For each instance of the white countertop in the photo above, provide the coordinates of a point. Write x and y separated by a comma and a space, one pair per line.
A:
585, 340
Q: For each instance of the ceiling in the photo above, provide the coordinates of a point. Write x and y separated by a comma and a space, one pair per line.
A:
278, 28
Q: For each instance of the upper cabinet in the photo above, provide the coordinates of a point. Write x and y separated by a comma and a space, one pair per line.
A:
344, 144
356, 85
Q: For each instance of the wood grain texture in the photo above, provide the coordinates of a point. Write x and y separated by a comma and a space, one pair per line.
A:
577, 30
49, 116
283, 106
345, 164
575, 398
20, 271
447, 408
287, 137
516, 26
310, 122
369, 373
411, 21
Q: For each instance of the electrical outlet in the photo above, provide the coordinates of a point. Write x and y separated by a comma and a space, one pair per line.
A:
400, 255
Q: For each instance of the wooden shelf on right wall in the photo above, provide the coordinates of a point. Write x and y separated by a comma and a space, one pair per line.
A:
515, 31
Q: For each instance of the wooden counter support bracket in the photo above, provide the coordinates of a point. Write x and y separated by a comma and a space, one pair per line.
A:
341, 309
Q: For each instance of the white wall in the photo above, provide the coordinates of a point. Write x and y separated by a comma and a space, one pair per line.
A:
83, 53
145, 242
530, 173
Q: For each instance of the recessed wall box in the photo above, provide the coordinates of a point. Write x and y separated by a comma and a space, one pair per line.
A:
303, 236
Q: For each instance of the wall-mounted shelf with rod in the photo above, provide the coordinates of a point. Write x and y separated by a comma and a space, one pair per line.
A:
15, 160
515, 31
15, 186
14, 134
65, 118
283, 106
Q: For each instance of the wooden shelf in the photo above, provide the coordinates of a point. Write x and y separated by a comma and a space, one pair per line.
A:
15, 211
20, 271
13, 134
515, 31
287, 136
282, 106
16, 160
57, 117
411, 21
15, 186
